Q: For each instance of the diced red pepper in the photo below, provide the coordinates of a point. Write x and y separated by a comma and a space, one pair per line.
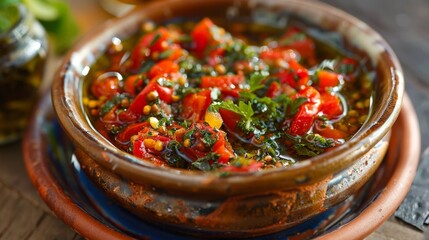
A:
201, 35
142, 151
273, 90
227, 84
132, 83
108, 87
327, 79
125, 135
203, 38
163, 68
154, 42
164, 93
330, 105
330, 132
305, 46
230, 119
222, 148
271, 55
296, 76
195, 105
303, 120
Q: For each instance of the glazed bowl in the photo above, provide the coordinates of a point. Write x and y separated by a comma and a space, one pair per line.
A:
240, 204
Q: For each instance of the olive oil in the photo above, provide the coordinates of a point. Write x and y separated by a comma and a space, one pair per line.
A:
23, 51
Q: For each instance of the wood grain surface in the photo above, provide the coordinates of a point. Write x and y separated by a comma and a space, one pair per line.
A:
404, 24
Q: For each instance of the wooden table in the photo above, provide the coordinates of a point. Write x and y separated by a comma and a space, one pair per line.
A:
404, 24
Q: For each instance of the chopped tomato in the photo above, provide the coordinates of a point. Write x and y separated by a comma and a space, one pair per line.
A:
163, 68
331, 105
132, 83
230, 119
271, 55
105, 86
273, 90
227, 84
222, 148
297, 40
155, 42
195, 105
303, 120
206, 34
330, 132
142, 150
124, 136
164, 93
201, 35
296, 77
327, 79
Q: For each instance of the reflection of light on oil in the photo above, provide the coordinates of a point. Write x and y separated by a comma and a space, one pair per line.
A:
75, 163
85, 71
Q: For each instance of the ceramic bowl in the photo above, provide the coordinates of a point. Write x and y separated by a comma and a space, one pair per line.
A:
241, 204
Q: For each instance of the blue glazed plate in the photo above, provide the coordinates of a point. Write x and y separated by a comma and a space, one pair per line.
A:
56, 173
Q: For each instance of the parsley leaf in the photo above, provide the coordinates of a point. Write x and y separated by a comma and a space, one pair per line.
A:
242, 109
255, 82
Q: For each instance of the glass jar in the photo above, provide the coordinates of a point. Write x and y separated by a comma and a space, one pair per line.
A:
23, 51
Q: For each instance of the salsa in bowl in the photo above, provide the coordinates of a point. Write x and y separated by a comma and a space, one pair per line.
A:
262, 113
196, 96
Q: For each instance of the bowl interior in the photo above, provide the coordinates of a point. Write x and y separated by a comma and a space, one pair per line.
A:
360, 39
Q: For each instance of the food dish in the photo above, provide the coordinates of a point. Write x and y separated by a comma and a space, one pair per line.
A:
256, 203
227, 96
47, 150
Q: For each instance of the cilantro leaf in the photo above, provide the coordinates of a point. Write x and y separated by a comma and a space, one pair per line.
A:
242, 109
255, 82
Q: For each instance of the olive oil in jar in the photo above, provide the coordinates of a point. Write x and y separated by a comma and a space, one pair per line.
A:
23, 51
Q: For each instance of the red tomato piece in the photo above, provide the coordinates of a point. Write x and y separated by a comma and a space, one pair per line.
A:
201, 35
163, 68
207, 35
223, 149
230, 119
142, 151
303, 120
132, 82
327, 79
330, 132
164, 93
273, 90
154, 42
227, 84
296, 76
195, 105
105, 86
271, 55
125, 135
301, 43
331, 105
